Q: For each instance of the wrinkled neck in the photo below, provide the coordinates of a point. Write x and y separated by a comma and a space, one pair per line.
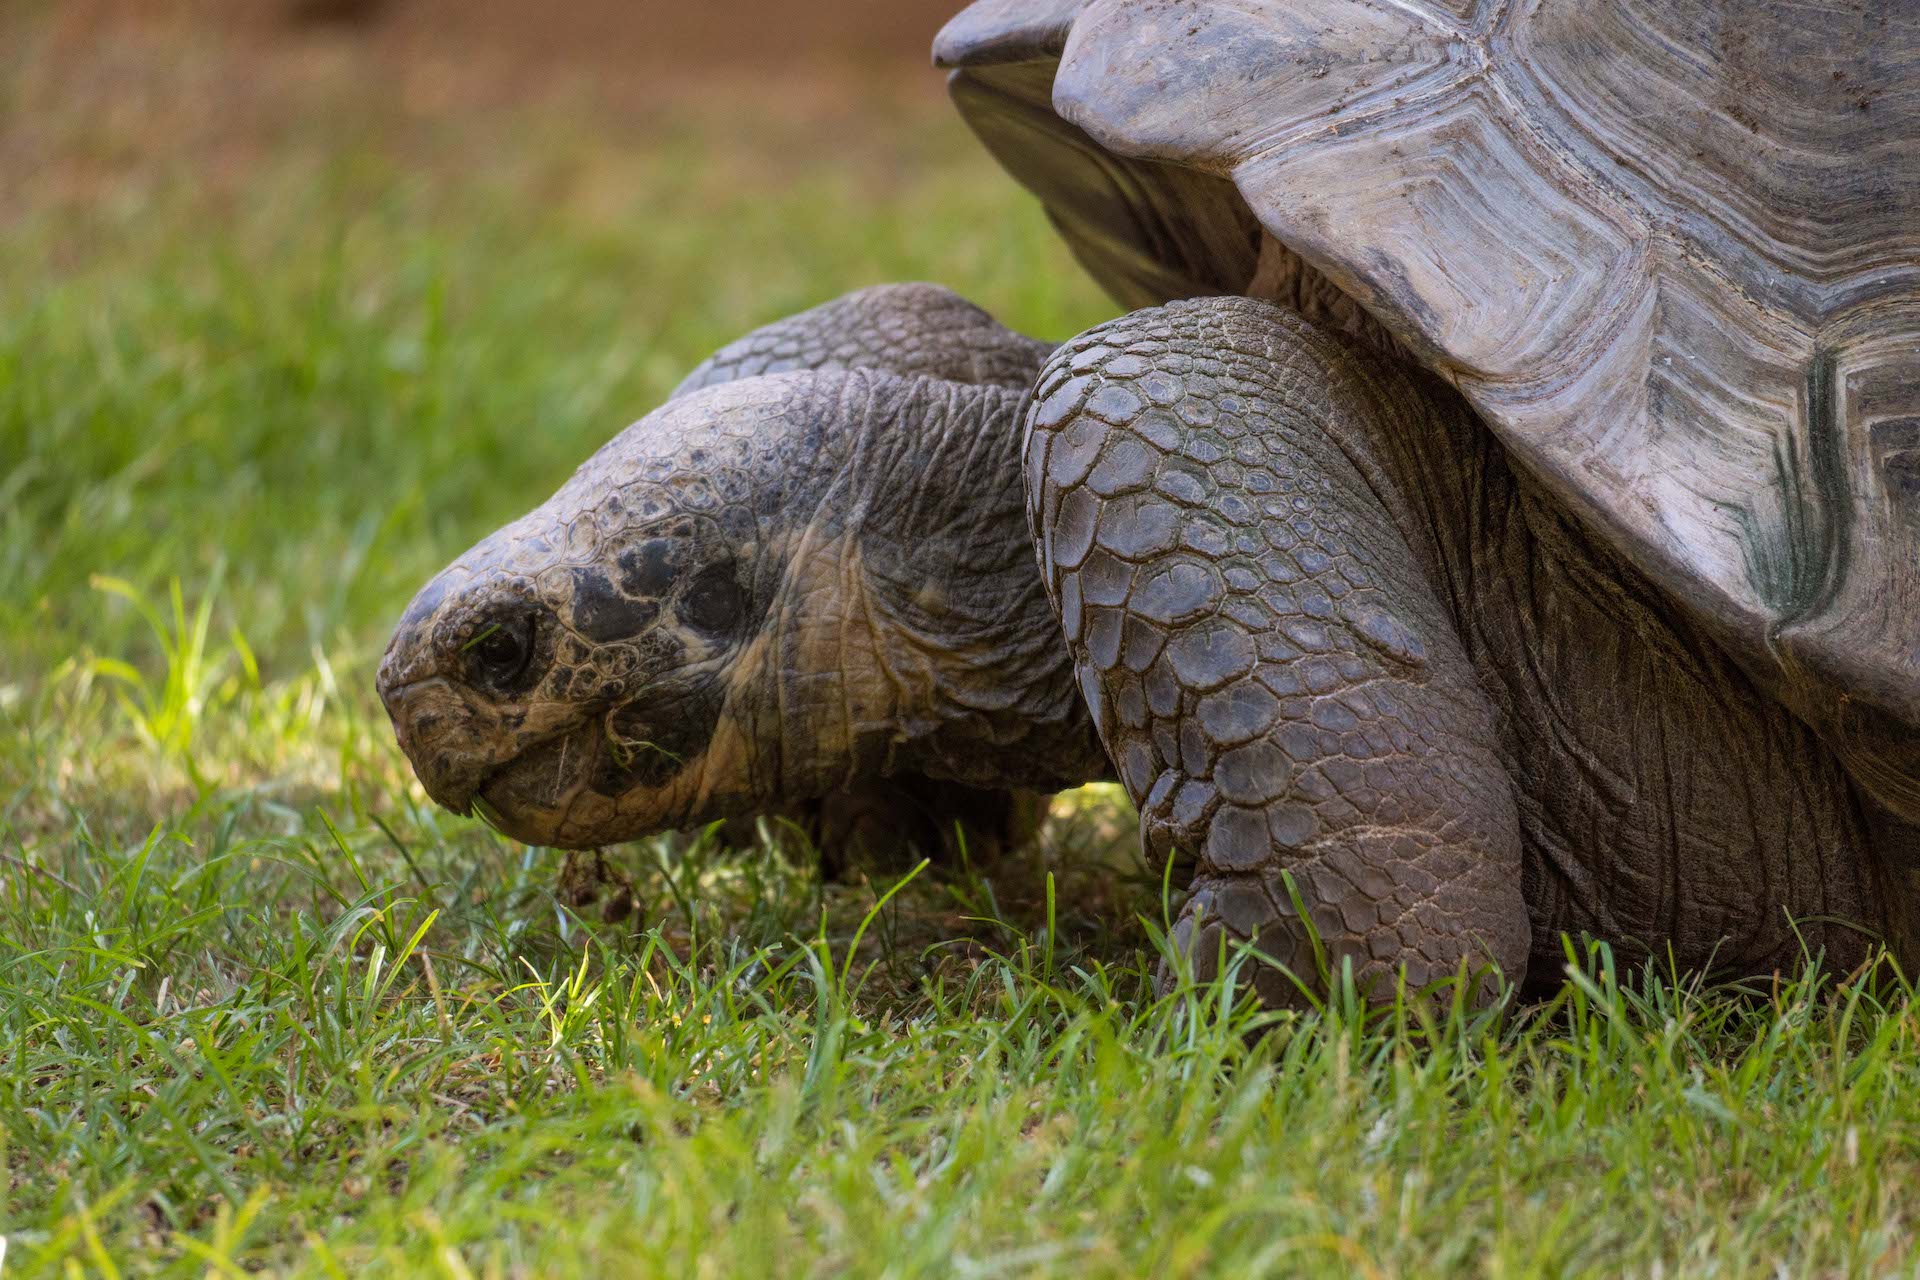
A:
913, 630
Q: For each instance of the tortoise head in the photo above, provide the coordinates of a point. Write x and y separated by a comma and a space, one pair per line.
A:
760, 593
570, 671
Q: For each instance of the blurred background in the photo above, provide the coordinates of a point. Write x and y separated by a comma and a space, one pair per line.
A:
301, 296
297, 301
298, 298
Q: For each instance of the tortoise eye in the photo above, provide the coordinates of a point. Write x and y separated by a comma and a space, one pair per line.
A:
500, 651
713, 601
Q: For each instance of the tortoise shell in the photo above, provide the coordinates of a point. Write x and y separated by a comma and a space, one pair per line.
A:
1668, 249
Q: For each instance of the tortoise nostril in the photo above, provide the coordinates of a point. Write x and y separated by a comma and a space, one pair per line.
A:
399, 668
416, 716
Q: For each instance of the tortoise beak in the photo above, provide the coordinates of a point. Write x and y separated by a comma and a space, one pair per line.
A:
435, 726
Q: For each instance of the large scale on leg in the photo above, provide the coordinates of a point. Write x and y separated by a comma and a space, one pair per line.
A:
1282, 692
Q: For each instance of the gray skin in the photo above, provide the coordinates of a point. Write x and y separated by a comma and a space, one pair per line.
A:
912, 330
736, 608
1288, 589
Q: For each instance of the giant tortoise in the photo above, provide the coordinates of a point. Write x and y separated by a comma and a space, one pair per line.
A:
1499, 516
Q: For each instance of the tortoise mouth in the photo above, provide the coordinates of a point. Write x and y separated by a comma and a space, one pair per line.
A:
530, 796
604, 774
434, 727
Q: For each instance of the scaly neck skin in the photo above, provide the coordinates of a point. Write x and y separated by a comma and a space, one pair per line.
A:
911, 632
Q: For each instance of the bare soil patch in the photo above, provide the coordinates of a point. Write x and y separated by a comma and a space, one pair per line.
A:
102, 99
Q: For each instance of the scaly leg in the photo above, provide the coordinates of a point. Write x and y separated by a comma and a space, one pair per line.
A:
1277, 682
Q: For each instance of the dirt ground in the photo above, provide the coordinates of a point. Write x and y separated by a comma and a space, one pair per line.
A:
101, 99
627, 44
650, 32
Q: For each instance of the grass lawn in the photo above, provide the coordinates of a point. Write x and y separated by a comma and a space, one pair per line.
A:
263, 1008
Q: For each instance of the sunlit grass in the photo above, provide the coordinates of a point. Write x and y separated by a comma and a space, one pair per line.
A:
263, 1007
336, 1049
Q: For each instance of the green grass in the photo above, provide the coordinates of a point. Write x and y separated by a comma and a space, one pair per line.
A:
263, 1007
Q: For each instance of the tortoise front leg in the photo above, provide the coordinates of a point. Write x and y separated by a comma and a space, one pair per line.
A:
1269, 668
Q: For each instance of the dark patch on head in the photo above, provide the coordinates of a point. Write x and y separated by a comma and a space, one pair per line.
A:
648, 568
602, 614
647, 744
